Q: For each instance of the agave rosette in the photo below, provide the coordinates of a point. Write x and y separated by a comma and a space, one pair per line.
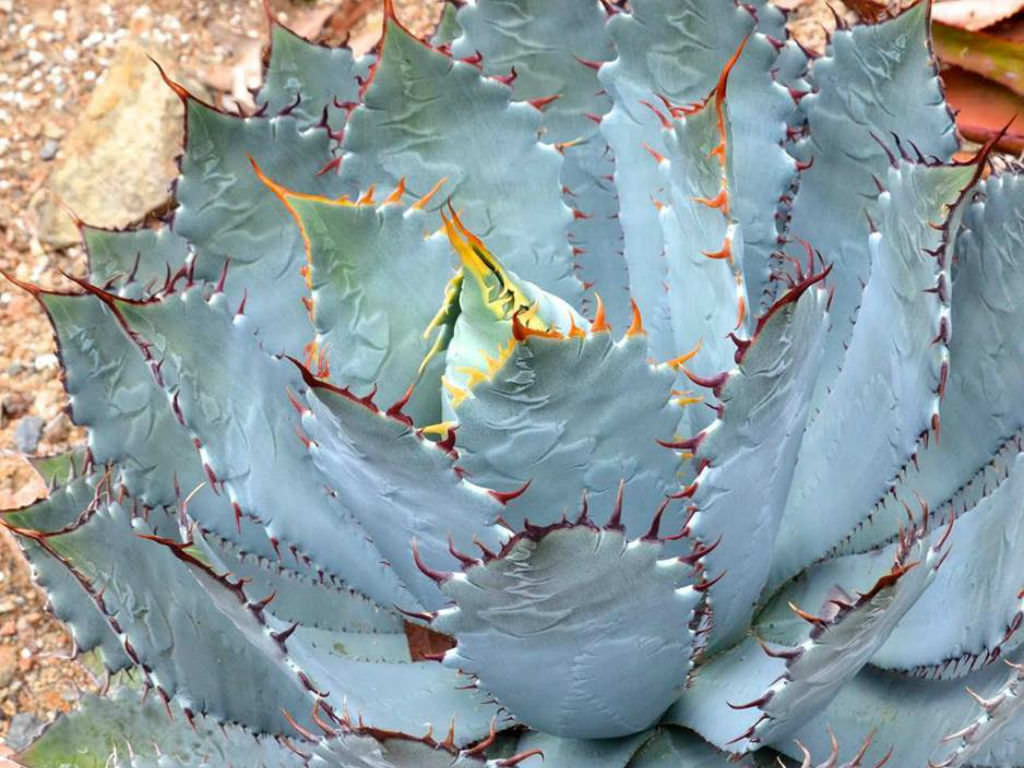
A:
399, 445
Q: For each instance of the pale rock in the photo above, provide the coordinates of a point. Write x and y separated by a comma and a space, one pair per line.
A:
117, 163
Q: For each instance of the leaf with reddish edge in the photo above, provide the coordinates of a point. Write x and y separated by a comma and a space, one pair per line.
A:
68, 600
314, 83
745, 458
612, 665
233, 399
569, 416
557, 48
886, 397
865, 70
229, 217
791, 683
376, 278
126, 730
446, 120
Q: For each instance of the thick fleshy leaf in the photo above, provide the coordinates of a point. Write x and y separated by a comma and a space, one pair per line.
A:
136, 260
299, 597
130, 421
233, 400
121, 731
353, 677
613, 657
981, 408
111, 392
704, 287
378, 277
555, 50
886, 398
606, 753
360, 476
680, 60
427, 117
495, 309
866, 71
171, 628
746, 456
368, 749
401, 488
891, 705
226, 213
672, 747
974, 609
68, 600
310, 81
797, 680
572, 416
60, 469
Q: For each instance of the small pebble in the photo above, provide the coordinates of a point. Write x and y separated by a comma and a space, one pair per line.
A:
46, 362
27, 435
49, 150
57, 429
9, 628
23, 730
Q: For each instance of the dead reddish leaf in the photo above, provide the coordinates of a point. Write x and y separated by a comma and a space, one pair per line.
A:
426, 644
982, 53
974, 14
984, 108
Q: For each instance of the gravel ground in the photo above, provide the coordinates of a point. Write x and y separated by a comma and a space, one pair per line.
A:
53, 53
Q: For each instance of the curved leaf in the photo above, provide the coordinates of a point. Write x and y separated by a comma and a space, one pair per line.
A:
426, 117
887, 393
570, 416
867, 71
308, 81
613, 658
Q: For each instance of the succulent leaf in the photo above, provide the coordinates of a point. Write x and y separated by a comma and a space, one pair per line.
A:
125, 730
557, 405
298, 597
613, 753
495, 308
374, 315
235, 223
837, 639
663, 50
310, 82
161, 614
534, 605
745, 457
890, 704
68, 600
435, 117
555, 51
888, 390
402, 488
135, 261
233, 399
867, 70
981, 408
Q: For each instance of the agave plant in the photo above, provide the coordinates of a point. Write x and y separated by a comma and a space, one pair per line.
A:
597, 385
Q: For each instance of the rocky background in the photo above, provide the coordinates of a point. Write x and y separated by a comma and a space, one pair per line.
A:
87, 126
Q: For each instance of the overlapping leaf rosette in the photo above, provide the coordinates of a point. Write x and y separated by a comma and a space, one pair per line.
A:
591, 385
